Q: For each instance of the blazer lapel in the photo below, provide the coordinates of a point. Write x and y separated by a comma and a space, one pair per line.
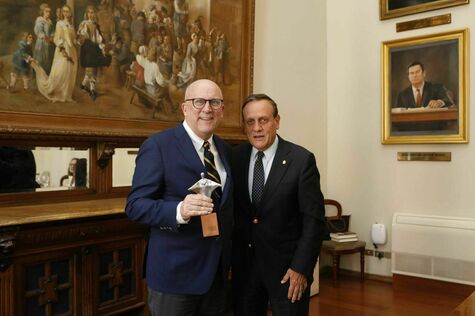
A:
278, 169
185, 146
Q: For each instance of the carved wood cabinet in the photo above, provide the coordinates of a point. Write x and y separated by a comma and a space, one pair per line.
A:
76, 258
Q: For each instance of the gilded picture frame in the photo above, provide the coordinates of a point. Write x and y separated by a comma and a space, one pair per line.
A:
389, 9
122, 105
438, 65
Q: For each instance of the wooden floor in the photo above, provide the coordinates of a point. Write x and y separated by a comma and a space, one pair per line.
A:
406, 296
373, 297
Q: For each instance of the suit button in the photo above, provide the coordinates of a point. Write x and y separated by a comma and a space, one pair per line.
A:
255, 221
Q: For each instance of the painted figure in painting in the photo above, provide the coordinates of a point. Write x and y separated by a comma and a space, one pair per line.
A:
220, 50
122, 53
422, 93
165, 60
155, 42
93, 55
155, 83
59, 85
138, 29
44, 31
180, 18
58, 15
21, 61
188, 68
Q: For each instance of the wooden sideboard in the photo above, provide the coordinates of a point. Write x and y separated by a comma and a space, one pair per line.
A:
76, 258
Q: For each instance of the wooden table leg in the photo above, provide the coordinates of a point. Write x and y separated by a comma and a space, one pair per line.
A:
362, 264
335, 267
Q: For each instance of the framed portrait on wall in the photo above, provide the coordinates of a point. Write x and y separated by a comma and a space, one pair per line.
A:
119, 67
394, 8
425, 89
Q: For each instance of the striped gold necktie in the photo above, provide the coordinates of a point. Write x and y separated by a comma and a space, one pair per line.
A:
211, 171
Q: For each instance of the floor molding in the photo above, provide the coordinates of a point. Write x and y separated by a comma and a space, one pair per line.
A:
344, 272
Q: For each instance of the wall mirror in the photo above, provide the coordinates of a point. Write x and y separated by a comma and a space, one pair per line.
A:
123, 166
39, 169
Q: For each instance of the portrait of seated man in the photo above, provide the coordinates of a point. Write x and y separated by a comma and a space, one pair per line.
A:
422, 93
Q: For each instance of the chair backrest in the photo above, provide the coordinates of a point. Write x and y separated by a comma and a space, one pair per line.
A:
338, 208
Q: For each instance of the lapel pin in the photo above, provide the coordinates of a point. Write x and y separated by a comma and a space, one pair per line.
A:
284, 162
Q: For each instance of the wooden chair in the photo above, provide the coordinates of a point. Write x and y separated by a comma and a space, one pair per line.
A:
336, 249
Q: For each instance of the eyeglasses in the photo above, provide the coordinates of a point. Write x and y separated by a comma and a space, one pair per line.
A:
199, 103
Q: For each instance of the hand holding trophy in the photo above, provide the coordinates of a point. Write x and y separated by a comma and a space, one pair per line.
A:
209, 223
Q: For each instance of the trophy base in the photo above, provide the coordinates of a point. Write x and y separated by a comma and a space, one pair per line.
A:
209, 224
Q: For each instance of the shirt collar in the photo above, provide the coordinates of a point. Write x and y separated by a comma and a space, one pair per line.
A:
195, 139
414, 89
269, 152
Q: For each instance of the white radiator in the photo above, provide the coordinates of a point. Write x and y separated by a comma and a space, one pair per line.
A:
435, 247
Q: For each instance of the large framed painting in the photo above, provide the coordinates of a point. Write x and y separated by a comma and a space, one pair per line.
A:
394, 8
119, 67
425, 89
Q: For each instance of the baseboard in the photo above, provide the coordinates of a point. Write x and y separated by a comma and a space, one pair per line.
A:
327, 270
405, 281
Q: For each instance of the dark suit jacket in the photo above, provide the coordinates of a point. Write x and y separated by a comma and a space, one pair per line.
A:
290, 219
180, 259
431, 91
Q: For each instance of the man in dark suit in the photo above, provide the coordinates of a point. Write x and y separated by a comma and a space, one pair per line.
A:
186, 272
422, 93
279, 217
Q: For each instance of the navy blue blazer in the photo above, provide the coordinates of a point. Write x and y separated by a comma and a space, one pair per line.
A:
180, 260
288, 228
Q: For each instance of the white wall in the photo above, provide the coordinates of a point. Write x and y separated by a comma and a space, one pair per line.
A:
362, 173
320, 60
290, 66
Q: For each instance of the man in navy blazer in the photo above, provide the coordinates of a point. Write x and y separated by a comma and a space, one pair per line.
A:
280, 227
185, 272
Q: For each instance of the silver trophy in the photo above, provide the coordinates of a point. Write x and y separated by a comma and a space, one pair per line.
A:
204, 186
209, 223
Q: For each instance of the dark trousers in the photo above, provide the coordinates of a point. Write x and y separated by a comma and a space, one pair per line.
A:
251, 298
212, 303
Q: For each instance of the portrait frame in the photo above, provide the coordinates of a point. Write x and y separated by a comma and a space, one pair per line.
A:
386, 12
56, 123
446, 52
